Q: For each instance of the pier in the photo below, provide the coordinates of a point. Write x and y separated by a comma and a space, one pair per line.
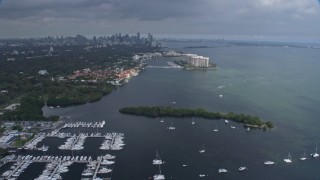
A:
56, 169
96, 171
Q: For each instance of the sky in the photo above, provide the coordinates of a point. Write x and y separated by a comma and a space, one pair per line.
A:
231, 19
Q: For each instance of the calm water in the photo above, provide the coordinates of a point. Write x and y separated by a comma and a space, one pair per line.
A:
276, 83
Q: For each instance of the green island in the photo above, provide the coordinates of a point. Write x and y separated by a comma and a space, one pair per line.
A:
167, 111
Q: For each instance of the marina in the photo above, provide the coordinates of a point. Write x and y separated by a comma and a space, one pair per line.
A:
84, 125
56, 165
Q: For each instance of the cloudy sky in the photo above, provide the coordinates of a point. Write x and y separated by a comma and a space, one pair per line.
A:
257, 19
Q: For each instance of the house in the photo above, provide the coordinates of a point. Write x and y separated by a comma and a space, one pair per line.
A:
43, 72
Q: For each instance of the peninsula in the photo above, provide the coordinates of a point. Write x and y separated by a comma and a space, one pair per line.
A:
166, 111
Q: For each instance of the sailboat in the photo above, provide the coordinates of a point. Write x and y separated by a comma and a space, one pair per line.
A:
304, 156
288, 160
159, 176
193, 122
202, 150
315, 155
171, 127
162, 120
158, 160
216, 129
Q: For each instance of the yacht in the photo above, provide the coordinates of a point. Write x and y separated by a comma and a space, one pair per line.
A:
221, 170
171, 127
315, 155
304, 156
226, 121
159, 176
87, 173
106, 162
220, 95
269, 163
242, 168
158, 160
216, 129
288, 160
202, 150
202, 175
104, 171
232, 127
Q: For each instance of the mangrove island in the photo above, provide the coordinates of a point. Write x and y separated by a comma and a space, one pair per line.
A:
166, 111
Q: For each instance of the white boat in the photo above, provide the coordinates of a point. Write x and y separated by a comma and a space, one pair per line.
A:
158, 160
87, 173
288, 160
159, 176
315, 155
221, 170
106, 162
104, 171
171, 127
232, 127
202, 175
269, 163
220, 95
248, 129
202, 150
216, 129
193, 122
304, 156
242, 168
226, 121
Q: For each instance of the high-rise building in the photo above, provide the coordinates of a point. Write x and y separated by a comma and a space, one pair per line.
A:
197, 61
138, 37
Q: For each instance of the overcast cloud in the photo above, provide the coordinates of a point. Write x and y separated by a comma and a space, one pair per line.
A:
292, 19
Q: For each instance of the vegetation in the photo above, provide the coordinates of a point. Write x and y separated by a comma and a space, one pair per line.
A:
30, 109
160, 111
3, 152
20, 142
20, 81
17, 127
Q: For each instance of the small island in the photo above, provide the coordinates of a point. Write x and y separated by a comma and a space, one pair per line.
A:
166, 111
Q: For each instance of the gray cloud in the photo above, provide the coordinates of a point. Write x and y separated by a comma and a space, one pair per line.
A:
255, 18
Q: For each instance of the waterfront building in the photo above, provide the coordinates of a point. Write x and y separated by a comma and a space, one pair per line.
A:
197, 61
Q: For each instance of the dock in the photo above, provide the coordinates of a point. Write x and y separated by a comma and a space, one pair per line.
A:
96, 171
55, 169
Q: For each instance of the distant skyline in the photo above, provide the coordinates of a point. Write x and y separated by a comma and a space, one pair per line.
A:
282, 20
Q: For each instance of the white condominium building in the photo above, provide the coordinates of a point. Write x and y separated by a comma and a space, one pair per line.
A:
197, 61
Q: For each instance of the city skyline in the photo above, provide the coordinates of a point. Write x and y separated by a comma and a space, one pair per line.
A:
282, 20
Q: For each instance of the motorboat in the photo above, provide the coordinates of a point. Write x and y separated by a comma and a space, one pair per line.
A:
242, 168
104, 171
221, 170
202, 150
269, 163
